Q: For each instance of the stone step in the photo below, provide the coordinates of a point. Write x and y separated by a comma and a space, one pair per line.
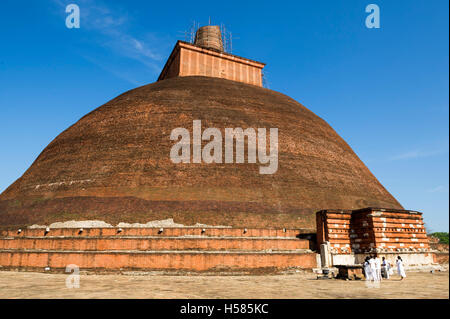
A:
153, 243
155, 260
152, 231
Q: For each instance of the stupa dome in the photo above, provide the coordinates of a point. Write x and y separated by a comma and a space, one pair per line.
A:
114, 163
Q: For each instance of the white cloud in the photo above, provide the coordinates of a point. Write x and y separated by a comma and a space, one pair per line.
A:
417, 154
438, 189
109, 28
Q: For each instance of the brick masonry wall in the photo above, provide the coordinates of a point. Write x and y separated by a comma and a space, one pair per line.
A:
372, 230
184, 248
155, 260
170, 231
190, 60
145, 243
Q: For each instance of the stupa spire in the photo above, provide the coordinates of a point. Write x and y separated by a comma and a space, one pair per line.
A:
209, 37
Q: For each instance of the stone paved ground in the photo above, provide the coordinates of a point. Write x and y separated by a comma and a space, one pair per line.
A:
298, 285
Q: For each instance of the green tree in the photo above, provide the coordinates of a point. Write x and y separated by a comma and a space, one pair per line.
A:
443, 237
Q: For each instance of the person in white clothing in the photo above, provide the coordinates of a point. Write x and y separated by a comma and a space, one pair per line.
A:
401, 268
378, 268
386, 267
367, 272
373, 268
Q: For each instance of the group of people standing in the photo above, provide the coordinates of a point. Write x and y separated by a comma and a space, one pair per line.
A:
375, 270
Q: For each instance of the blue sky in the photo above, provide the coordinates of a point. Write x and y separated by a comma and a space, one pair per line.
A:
385, 91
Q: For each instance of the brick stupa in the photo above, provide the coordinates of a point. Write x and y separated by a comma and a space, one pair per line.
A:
113, 165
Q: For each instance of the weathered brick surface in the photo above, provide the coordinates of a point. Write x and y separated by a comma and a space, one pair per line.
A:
142, 231
190, 60
199, 261
146, 243
154, 248
372, 230
441, 257
114, 164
